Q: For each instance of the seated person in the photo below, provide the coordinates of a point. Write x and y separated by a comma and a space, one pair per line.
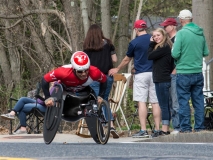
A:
75, 77
22, 107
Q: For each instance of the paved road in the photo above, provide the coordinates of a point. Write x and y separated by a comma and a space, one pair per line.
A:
149, 151
66, 147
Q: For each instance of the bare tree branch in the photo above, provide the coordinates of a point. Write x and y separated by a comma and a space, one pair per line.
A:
36, 11
31, 57
60, 38
116, 23
17, 22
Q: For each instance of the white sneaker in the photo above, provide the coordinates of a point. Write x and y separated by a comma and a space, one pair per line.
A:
175, 132
8, 116
20, 132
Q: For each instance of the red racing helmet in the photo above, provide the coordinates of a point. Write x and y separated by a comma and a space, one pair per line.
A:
80, 61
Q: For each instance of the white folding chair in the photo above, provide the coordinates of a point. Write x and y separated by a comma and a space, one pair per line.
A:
117, 94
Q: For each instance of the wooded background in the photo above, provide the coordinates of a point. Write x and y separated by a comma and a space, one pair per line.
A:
37, 35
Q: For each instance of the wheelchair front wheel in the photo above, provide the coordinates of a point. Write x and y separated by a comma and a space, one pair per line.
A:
103, 122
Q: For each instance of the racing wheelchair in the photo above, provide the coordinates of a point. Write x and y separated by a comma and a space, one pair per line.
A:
72, 107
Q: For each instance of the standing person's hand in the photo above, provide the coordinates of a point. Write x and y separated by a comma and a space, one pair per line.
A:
113, 71
133, 70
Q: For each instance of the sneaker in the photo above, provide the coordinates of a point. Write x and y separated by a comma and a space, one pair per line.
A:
175, 132
199, 130
8, 116
186, 131
20, 132
155, 133
141, 134
114, 133
162, 133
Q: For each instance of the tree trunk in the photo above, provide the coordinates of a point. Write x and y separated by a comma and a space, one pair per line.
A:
123, 33
130, 65
117, 20
202, 11
73, 21
106, 18
13, 55
138, 16
43, 20
5, 66
85, 16
92, 11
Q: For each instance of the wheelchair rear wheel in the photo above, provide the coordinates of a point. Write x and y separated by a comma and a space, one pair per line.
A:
103, 122
53, 115
52, 121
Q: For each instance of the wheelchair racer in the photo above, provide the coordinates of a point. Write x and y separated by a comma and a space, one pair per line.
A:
75, 76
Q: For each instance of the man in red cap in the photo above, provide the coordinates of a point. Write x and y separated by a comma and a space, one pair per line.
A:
143, 86
170, 27
140, 24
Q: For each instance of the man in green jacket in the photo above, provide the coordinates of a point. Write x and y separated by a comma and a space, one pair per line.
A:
188, 51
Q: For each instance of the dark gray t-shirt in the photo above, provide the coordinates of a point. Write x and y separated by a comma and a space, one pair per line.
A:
102, 59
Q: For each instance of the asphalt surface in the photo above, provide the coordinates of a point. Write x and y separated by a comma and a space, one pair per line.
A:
68, 146
60, 138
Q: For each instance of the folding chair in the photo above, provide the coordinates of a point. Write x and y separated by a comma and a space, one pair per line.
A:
35, 117
115, 100
80, 130
116, 95
149, 113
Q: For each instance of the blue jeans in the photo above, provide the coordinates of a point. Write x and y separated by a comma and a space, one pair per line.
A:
24, 106
163, 95
96, 87
174, 106
190, 85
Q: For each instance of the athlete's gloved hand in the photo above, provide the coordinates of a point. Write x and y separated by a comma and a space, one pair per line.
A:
50, 102
100, 99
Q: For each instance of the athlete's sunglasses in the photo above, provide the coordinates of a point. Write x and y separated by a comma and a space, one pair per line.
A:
80, 72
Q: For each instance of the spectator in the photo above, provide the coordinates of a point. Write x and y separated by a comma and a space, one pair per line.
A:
22, 107
143, 86
102, 55
170, 27
160, 52
188, 51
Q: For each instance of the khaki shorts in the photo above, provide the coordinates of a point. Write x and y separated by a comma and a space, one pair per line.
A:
144, 88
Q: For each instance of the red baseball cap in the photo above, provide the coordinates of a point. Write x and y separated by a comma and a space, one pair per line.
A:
140, 24
169, 21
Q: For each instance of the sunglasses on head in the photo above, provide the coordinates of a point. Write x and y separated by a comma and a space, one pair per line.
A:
81, 71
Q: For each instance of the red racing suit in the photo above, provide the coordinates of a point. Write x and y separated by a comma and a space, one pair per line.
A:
67, 76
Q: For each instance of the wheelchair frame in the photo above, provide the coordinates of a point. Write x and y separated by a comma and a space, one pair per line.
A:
97, 120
